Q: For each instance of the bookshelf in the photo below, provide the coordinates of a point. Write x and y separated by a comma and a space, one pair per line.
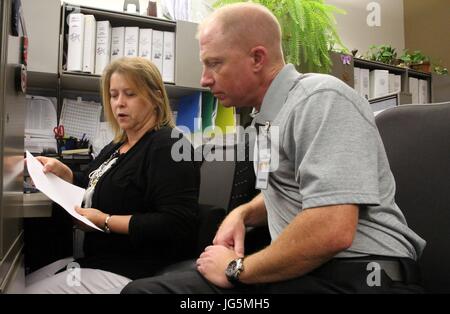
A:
50, 78
345, 72
404, 73
187, 65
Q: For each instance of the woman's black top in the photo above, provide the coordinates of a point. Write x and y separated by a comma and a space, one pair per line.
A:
161, 195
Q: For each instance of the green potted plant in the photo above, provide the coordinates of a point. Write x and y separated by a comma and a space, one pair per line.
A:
416, 61
383, 53
308, 28
440, 70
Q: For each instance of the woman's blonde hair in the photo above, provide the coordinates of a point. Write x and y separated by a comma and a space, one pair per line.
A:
145, 78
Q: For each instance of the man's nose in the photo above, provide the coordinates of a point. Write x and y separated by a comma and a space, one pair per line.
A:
206, 80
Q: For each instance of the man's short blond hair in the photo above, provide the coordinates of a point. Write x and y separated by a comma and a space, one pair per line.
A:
247, 25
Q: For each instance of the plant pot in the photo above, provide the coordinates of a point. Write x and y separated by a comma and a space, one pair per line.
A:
422, 67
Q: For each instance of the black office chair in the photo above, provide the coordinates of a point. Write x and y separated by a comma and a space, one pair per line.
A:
417, 142
224, 185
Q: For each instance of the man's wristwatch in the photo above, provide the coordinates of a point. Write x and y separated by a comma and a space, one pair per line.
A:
234, 270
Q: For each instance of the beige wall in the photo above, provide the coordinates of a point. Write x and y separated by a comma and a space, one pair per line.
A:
356, 33
427, 28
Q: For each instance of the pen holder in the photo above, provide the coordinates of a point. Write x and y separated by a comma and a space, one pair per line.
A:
83, 143
66, 143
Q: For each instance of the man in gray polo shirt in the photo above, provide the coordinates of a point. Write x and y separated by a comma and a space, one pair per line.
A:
329, 203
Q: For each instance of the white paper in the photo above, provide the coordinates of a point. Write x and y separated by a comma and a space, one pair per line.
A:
65, 194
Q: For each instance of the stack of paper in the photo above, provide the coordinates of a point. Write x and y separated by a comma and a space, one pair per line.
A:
39, 124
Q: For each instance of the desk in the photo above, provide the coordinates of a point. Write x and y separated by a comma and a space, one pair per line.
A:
36, 205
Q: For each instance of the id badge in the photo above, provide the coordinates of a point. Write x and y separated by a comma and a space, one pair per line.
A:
263, 169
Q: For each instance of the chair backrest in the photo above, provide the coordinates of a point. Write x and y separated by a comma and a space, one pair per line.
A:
417, 143
225, 184
216, 177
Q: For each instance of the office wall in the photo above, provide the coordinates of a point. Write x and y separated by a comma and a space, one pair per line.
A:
355, 31
427, 28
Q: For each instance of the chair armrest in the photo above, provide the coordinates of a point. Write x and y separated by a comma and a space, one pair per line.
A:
210, 217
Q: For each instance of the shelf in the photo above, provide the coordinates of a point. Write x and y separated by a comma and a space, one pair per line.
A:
187, 64
179, 91
375, 65
36, 205
42, 80
118, 18
418, 74
80, 82
91, 83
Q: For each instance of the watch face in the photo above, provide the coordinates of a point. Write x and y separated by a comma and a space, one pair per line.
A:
231, 269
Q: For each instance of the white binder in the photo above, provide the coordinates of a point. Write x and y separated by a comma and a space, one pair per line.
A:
157, 49
168, 73
423, 92
90, 27
75, 42
131, 41
103, 46
379, 83
145, 43
117, 42
394, 83
365, 83
357, 80
414, 89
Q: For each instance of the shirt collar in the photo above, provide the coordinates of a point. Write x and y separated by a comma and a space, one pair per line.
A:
276, 95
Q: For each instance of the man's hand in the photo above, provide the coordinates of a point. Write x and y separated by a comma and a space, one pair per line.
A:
213, 262
231, 233
96, 216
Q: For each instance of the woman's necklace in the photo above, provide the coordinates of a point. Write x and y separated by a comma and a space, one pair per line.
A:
95, 175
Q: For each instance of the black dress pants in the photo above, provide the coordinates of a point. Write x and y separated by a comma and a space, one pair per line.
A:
372, 274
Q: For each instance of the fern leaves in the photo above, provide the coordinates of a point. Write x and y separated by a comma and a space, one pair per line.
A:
308, 28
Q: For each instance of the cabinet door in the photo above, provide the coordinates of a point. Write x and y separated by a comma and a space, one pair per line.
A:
188, 68
42, 18
12, 112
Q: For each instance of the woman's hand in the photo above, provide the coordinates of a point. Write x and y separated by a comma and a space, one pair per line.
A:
96, 216
56, 167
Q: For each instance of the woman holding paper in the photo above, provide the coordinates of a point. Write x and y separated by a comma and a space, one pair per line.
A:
135, 193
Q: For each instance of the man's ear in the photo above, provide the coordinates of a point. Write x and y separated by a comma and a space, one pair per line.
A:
259, 57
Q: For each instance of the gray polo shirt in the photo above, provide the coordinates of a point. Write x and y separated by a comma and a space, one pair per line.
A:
330, 152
